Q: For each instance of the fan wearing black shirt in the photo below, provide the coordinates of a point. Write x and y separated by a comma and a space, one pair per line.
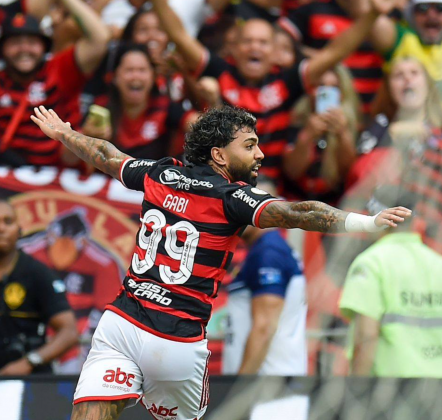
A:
31, 298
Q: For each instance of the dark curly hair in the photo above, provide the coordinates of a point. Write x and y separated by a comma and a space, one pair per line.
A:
216, 128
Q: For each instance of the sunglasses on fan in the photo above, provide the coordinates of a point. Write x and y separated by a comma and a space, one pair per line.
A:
425, 7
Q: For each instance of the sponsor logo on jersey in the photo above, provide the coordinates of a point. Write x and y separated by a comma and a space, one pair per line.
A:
269, 275
270, 96
122, 379
164, 412
150, 291
139, 163
243, 196
150, 131
174, 177
258, 191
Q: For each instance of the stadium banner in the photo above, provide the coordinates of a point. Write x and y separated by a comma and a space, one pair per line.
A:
251, 397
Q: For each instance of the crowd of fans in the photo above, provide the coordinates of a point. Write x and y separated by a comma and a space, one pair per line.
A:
346, 92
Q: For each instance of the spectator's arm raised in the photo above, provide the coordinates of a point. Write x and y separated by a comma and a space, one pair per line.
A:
38, 8
192, 50
90, 49
347, 41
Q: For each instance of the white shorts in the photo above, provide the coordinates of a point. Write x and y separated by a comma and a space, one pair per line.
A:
125, 362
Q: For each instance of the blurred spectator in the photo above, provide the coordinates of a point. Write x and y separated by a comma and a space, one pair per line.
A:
288, 6
268, 10
252, 84
421, 38
36, 8
392, 294
403, 148
141, 118
411, 123
31, 298
66, 30
284, 49
267, 308
90, 274
144, 28
316, 23
324, 142
29, 78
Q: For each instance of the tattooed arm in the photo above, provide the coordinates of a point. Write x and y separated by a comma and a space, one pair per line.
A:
320, 217
99, 153
98, 410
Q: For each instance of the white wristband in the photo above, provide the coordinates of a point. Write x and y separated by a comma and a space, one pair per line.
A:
359, 223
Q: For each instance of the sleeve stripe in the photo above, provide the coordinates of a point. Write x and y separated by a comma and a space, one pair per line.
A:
123, 165
260, 208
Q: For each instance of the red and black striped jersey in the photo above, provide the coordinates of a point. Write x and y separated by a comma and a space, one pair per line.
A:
269, 101
317, 23
191, 220
57, 86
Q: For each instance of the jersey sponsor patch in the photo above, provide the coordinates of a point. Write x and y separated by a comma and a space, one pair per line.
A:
141, 163
269, 276
258, 191
150, 291
243, 196
174, 177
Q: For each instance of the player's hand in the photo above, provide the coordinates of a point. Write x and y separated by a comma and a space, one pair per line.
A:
50, 123
391, 217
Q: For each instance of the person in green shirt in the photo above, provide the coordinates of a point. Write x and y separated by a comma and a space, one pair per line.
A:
393, 297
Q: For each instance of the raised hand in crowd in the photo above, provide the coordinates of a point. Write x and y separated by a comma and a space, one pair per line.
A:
336, 121
209, 91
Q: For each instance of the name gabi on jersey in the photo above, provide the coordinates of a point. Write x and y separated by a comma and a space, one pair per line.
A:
242, 195
139, 163
150, 291
174, 203
174, 177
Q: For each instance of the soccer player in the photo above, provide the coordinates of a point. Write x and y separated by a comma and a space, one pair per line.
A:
151, 344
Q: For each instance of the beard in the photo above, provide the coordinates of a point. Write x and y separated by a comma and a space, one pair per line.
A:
429, 39
12, 68
241, 172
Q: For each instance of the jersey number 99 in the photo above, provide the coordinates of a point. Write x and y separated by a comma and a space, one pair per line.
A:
149, 242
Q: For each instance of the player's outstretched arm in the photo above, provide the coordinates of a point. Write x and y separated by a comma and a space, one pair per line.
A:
320, 217
99, 153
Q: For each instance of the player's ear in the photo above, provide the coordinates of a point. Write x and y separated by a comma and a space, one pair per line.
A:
218, 156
